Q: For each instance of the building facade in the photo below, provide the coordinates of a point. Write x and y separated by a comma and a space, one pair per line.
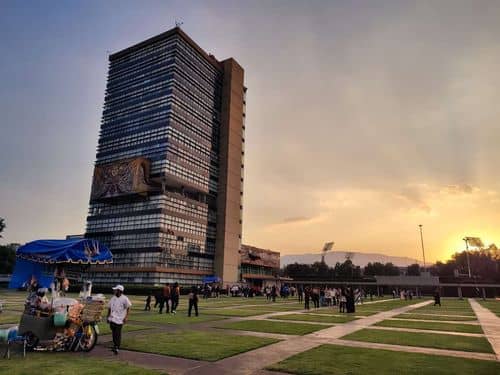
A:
259, 267
168, 179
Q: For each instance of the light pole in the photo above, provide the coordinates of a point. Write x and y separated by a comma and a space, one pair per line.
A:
422, 242
466, 239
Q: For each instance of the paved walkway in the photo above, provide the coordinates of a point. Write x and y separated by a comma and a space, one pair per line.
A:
253, 361
490, 324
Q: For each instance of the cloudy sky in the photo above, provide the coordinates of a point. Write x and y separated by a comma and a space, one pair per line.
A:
364, 118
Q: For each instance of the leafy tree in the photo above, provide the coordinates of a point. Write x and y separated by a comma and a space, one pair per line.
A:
413, 270
2, 225
379, 269
484, 264
7, 258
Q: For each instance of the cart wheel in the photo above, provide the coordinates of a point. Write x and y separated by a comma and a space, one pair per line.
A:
31, 341
88, 338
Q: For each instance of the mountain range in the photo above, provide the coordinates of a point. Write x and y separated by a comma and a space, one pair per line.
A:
359, 259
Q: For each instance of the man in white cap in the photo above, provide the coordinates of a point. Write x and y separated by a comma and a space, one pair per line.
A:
119, 307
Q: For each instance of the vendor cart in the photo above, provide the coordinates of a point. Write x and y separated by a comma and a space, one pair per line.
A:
58, 324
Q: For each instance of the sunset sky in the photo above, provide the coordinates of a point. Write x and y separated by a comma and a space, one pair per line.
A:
364, 118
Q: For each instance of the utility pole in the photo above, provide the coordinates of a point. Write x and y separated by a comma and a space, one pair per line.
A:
422, 242
466, 239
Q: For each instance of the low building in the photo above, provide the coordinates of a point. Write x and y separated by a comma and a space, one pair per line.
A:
259, 267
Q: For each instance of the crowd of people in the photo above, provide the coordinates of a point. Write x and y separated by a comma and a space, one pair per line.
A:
344, 298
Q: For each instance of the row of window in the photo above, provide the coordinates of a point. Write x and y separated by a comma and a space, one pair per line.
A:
166, 222
161, 55
133, 112
131, 104
167, 241
133, 139
150, 151
172, 202
150, 49
138, 88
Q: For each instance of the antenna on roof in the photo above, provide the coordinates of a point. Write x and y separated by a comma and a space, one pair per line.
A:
178, 23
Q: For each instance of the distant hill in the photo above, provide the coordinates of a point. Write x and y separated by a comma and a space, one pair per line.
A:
359, 259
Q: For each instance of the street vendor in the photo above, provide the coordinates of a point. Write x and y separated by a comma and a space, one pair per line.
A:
118, 310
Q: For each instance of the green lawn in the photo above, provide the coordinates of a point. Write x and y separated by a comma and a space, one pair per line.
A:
105, 330
10, 317
200, 345
463, 328
340, 360
436, 317
448, 307
286, 328
492, 305
67, 363
179, 318
277, 307
372, 308
237, 312
429, 340
316, 318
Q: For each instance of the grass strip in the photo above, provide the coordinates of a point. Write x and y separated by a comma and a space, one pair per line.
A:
428, 340
340, 360
199, 345
285, 328
436, 326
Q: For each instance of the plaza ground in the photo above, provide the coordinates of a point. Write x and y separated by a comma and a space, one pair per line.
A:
235, 335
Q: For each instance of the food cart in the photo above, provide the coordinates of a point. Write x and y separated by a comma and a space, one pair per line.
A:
59, 323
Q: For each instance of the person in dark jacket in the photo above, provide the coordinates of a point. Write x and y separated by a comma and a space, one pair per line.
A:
437, 298
307, 297
350, 300
193, 301
148, 303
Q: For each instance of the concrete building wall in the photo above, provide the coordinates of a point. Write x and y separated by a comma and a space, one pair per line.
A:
229, 199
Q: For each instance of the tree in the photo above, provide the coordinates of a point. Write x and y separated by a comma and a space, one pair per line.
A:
7, 258
413, 270
374, 269
379, 269
2, 225
484, 264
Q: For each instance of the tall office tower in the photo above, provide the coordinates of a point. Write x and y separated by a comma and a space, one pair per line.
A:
168, 179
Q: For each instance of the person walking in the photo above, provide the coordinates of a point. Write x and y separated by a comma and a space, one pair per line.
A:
174, 296
118, 310
193, 301
148, 303
166, 296
437, 298
300, 293
273, 293
307, 297
343, 300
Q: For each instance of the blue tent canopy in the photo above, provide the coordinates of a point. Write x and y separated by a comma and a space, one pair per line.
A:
81, 251
37, 258
211, 279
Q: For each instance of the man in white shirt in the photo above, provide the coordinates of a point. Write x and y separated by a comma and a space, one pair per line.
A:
118, 309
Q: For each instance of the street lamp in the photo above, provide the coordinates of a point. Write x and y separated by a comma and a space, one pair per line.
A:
422, 242
466, 239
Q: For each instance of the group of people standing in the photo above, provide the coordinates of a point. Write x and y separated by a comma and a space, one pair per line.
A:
344, 298
168, 298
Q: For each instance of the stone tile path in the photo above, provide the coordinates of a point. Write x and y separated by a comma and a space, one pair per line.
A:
253, 362
490, 324
427, 331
